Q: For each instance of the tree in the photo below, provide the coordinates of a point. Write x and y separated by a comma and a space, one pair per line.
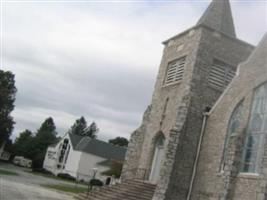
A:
24, 144
119, 141
80, 128
47, 131
92, 130
45, 136
115, 169
7, 99
9, 146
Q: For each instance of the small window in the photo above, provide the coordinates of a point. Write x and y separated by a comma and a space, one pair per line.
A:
175, 71
63, 151
221, 74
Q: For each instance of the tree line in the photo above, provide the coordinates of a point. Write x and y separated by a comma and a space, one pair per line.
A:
7, 98
33, 145
30, 144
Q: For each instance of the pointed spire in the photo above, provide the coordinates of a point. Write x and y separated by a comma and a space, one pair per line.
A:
218, 16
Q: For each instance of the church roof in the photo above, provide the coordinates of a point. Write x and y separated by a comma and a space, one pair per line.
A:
218, 16
75, 139
257, 57
97, 147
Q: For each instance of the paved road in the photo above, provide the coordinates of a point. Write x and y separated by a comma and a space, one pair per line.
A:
10, 190
26, 186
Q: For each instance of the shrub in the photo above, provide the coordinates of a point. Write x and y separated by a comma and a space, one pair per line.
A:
42, 170
115, 169
66, 176
96, 182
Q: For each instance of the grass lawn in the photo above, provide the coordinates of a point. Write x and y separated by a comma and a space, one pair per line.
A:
6, 172
66, 188
54, 177
44, 175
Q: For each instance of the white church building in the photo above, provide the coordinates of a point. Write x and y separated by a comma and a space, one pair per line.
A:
81, 156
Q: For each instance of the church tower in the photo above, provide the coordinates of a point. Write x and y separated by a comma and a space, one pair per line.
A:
196, 67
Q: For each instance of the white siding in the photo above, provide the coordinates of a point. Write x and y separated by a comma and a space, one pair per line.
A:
72, 163
50, 161
87, 163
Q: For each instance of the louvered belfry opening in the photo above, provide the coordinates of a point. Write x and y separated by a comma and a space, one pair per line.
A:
175, 71
221, 74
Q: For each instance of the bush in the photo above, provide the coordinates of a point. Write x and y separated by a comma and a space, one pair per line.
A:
96, 182
66, 176
43, 171
115, 169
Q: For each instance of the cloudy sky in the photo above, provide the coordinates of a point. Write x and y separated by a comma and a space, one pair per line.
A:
98, 59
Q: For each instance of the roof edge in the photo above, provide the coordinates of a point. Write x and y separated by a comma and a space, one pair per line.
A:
204, 26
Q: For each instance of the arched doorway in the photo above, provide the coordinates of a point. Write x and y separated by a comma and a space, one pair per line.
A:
157, 159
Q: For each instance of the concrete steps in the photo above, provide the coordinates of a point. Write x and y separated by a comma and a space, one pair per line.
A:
128, 190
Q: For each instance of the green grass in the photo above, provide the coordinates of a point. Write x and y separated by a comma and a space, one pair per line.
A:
66, 188
6, 172
53, 177
44, 175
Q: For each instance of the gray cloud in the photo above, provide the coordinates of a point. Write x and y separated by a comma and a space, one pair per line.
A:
97, 60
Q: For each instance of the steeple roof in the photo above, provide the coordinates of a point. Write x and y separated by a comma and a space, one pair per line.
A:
218, 16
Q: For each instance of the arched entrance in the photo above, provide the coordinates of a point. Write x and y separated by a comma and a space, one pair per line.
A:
157, 159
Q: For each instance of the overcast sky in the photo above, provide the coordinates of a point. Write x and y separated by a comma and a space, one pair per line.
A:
97, 59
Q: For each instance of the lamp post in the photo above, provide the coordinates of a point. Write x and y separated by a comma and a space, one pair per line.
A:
90, 186
94, 172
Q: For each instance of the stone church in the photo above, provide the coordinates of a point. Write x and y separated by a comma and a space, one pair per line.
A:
204, 135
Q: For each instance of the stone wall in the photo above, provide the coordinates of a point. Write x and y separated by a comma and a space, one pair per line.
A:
182, 121
211, 45
185, 45
211, 182
131, 163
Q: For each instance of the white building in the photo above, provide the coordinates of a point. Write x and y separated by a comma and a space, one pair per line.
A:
79, 156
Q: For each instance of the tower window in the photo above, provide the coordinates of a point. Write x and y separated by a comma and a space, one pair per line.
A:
221, 74
175, 71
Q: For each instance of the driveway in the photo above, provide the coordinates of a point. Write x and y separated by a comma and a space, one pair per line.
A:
26, 186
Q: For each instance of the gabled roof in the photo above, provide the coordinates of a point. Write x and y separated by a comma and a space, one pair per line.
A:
75, 139
218, 16
97, 147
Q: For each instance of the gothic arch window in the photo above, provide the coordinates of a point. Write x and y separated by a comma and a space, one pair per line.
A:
63, 150
257, 129
160, 141
232, 129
